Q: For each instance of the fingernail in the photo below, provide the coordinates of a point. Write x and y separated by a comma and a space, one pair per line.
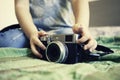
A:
41, 56
45, 33
90, 50
85, 48
44, 48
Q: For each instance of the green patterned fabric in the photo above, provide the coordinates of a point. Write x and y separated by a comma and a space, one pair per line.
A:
19, 64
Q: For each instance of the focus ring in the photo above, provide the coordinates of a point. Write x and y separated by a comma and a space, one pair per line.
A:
56, 52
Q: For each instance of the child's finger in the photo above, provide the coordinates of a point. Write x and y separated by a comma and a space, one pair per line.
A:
82, 39
42, 33
35, 52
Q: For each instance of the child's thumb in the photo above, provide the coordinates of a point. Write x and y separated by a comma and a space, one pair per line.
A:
42, 33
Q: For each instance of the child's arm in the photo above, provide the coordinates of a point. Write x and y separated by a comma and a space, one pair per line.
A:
24, 17
26, 23
81, 13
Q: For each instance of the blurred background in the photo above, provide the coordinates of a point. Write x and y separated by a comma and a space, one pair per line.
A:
102, 13
7, 14
105, 13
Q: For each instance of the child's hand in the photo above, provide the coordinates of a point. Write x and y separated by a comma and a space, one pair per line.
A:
85, 36
34, 41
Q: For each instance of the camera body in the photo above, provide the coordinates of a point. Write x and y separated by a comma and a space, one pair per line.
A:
62, 48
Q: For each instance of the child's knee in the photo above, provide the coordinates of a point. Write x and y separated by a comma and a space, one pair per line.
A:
13, 38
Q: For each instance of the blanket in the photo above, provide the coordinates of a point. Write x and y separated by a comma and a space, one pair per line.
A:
20, 64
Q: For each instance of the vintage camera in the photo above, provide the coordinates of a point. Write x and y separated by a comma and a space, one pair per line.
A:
62, 48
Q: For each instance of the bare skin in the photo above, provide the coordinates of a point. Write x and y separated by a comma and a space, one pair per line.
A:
81, 13
81, 26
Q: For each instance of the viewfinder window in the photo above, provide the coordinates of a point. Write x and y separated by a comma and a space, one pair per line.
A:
69, 38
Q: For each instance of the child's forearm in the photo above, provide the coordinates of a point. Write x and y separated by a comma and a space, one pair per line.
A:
24, 17
81, 12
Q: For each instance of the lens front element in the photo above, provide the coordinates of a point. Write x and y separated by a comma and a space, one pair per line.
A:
56, 52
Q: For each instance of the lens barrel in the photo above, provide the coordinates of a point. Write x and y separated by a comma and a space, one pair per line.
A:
56, 52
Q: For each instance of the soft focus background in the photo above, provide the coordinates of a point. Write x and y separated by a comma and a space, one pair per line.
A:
103, 13
7, 14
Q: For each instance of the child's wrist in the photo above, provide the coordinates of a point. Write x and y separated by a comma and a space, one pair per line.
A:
35, 33
79, 28
80, 25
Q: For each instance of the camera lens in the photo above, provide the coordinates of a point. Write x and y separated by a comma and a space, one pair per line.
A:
56, 52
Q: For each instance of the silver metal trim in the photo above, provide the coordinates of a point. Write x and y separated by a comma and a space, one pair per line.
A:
63, 53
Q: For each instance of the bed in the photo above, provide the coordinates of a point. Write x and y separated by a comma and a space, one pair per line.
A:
20, 64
